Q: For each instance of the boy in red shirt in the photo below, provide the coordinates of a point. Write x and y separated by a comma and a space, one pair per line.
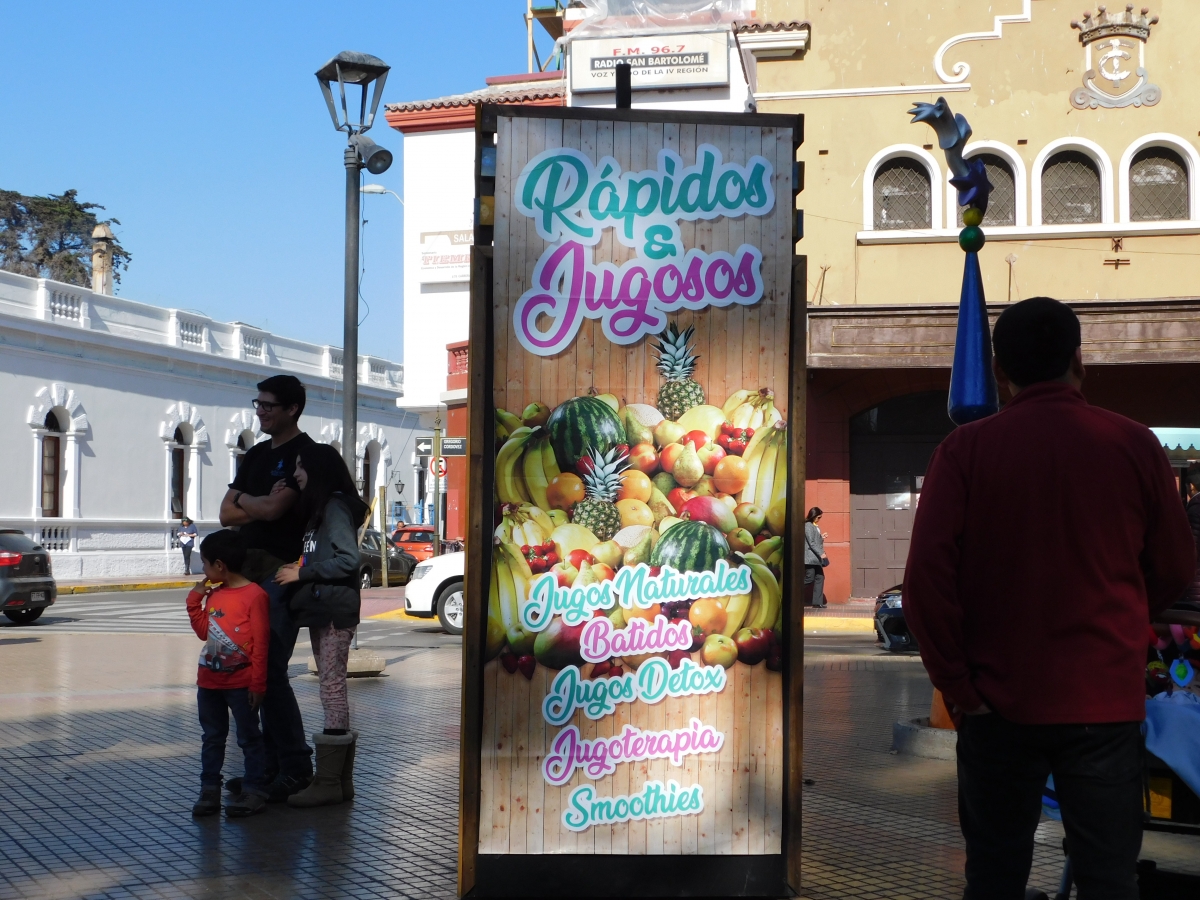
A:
230, 615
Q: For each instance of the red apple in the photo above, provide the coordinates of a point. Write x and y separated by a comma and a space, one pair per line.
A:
710, 455
603, 572
750, 517
644, 458
565, 573
711, 511
679, 496
579, 558
669, 455
752, 645
699, 438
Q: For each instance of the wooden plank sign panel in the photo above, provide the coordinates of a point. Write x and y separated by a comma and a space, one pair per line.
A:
640, 317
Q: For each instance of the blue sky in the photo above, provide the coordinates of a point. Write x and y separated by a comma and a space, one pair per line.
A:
201, 127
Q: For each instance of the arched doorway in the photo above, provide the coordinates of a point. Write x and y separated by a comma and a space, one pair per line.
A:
52, 465
890, 448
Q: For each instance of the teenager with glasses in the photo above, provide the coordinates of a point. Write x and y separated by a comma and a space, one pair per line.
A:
261, 502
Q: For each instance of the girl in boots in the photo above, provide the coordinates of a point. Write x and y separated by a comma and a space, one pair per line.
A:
327, 602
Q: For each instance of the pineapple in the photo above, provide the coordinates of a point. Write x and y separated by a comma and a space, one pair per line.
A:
601, 483
676, 364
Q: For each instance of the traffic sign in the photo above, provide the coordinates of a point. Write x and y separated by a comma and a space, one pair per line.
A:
454, 446
441, 466
424, 446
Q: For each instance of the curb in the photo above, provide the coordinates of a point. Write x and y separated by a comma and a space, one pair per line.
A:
130, 586
916, 738
838, 625
399, 615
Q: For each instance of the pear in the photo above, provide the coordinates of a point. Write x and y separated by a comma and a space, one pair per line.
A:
635, 431
666, 523
609, 553
665, 482
688, 468
660, 505
641, 552
617, 617
610, 399
586, 577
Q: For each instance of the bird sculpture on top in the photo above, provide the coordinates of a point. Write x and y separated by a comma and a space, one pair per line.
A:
973, 393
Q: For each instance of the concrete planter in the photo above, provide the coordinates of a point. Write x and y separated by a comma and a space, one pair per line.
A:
917, 738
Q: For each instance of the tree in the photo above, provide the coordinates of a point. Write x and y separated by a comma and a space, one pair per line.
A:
51, 237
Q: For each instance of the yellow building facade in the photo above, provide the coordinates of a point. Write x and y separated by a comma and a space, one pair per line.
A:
1089, 127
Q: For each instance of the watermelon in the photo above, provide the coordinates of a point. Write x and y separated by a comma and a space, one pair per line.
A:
581, 425
690, 547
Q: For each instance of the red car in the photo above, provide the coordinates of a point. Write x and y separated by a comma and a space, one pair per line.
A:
416, 540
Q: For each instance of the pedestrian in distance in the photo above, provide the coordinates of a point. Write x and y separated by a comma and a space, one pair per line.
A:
327, 602
815, 559
229, 613
187, 540
261, 503
1047, 538
1193, 513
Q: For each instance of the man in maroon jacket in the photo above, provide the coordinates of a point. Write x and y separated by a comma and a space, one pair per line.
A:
1047, 537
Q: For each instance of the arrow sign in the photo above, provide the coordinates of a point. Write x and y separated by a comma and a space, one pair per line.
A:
424, 446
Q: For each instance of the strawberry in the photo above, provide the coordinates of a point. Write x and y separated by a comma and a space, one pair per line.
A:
527, 664
508, 659
676, 657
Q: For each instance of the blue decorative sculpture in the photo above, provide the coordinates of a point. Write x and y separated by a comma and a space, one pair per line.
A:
973, 393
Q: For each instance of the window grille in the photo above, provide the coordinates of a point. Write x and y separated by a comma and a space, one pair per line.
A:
1070, 189
1158, 186
1002, 202
903, 196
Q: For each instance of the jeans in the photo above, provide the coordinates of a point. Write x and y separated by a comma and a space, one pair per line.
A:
288, 752
214, 707
1002, 768
815, 575
187, 558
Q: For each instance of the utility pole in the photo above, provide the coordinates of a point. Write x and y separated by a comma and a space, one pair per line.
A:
350, 314
383, 538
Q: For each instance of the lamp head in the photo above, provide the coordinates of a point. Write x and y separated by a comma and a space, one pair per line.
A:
359, 70
376, 159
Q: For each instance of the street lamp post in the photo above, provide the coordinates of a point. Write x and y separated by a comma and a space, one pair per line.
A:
354, 70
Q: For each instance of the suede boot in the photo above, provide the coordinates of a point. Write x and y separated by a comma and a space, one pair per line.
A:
348, 768
326, 786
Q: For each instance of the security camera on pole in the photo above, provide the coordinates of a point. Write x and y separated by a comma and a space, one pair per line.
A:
361, 70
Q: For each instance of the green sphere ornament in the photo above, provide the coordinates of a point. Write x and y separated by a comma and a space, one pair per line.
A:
972, 215
971, 239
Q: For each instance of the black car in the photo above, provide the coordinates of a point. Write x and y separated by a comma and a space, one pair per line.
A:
400, 562
890, 626
26, 585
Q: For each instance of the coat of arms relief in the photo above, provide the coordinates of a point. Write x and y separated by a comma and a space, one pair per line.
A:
1111, 78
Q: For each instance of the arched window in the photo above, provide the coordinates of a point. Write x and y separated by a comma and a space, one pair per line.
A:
368, 477
52, 467
1158, 186
244, 442
902, 195
179, 474
1070, 189
1002, 202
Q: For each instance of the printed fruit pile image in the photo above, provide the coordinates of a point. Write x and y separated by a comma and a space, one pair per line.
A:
599, 483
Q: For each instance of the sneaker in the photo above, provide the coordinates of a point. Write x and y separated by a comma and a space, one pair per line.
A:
234, 785
244, 805
209, 802
284, 786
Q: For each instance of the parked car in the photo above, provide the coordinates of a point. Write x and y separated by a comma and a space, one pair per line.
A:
890, 626
26, 581
436, 589
400, 562
415, 539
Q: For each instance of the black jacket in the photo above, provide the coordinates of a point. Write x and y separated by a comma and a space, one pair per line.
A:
329, 576
1193, 514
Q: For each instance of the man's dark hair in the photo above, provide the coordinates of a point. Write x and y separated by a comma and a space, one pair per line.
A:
1193, 478
1035, 340
287, 390
224, 546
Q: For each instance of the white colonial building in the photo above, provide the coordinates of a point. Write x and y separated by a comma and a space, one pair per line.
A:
118, 418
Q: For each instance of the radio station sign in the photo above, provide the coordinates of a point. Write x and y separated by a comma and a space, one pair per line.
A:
633, 667
657, 61
445, 256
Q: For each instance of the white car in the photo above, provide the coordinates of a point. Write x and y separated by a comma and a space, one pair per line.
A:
435, 588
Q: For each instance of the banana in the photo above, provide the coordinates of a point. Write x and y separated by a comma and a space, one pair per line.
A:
515, 576
510, 421
764, 549
753, 608
542, 518
497, 634
768, 591
509, 485
735, 613
504, 531
535, 474
766, 475
743, 416
779, 491
753, 458
736, 399
549, 462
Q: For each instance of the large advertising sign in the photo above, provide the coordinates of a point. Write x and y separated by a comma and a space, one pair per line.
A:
657, 61
445, 256
632, 665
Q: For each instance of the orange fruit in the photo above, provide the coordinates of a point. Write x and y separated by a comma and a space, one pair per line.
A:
731, 475
634, 512
564, 491
635, 485
636, 612
708, 615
